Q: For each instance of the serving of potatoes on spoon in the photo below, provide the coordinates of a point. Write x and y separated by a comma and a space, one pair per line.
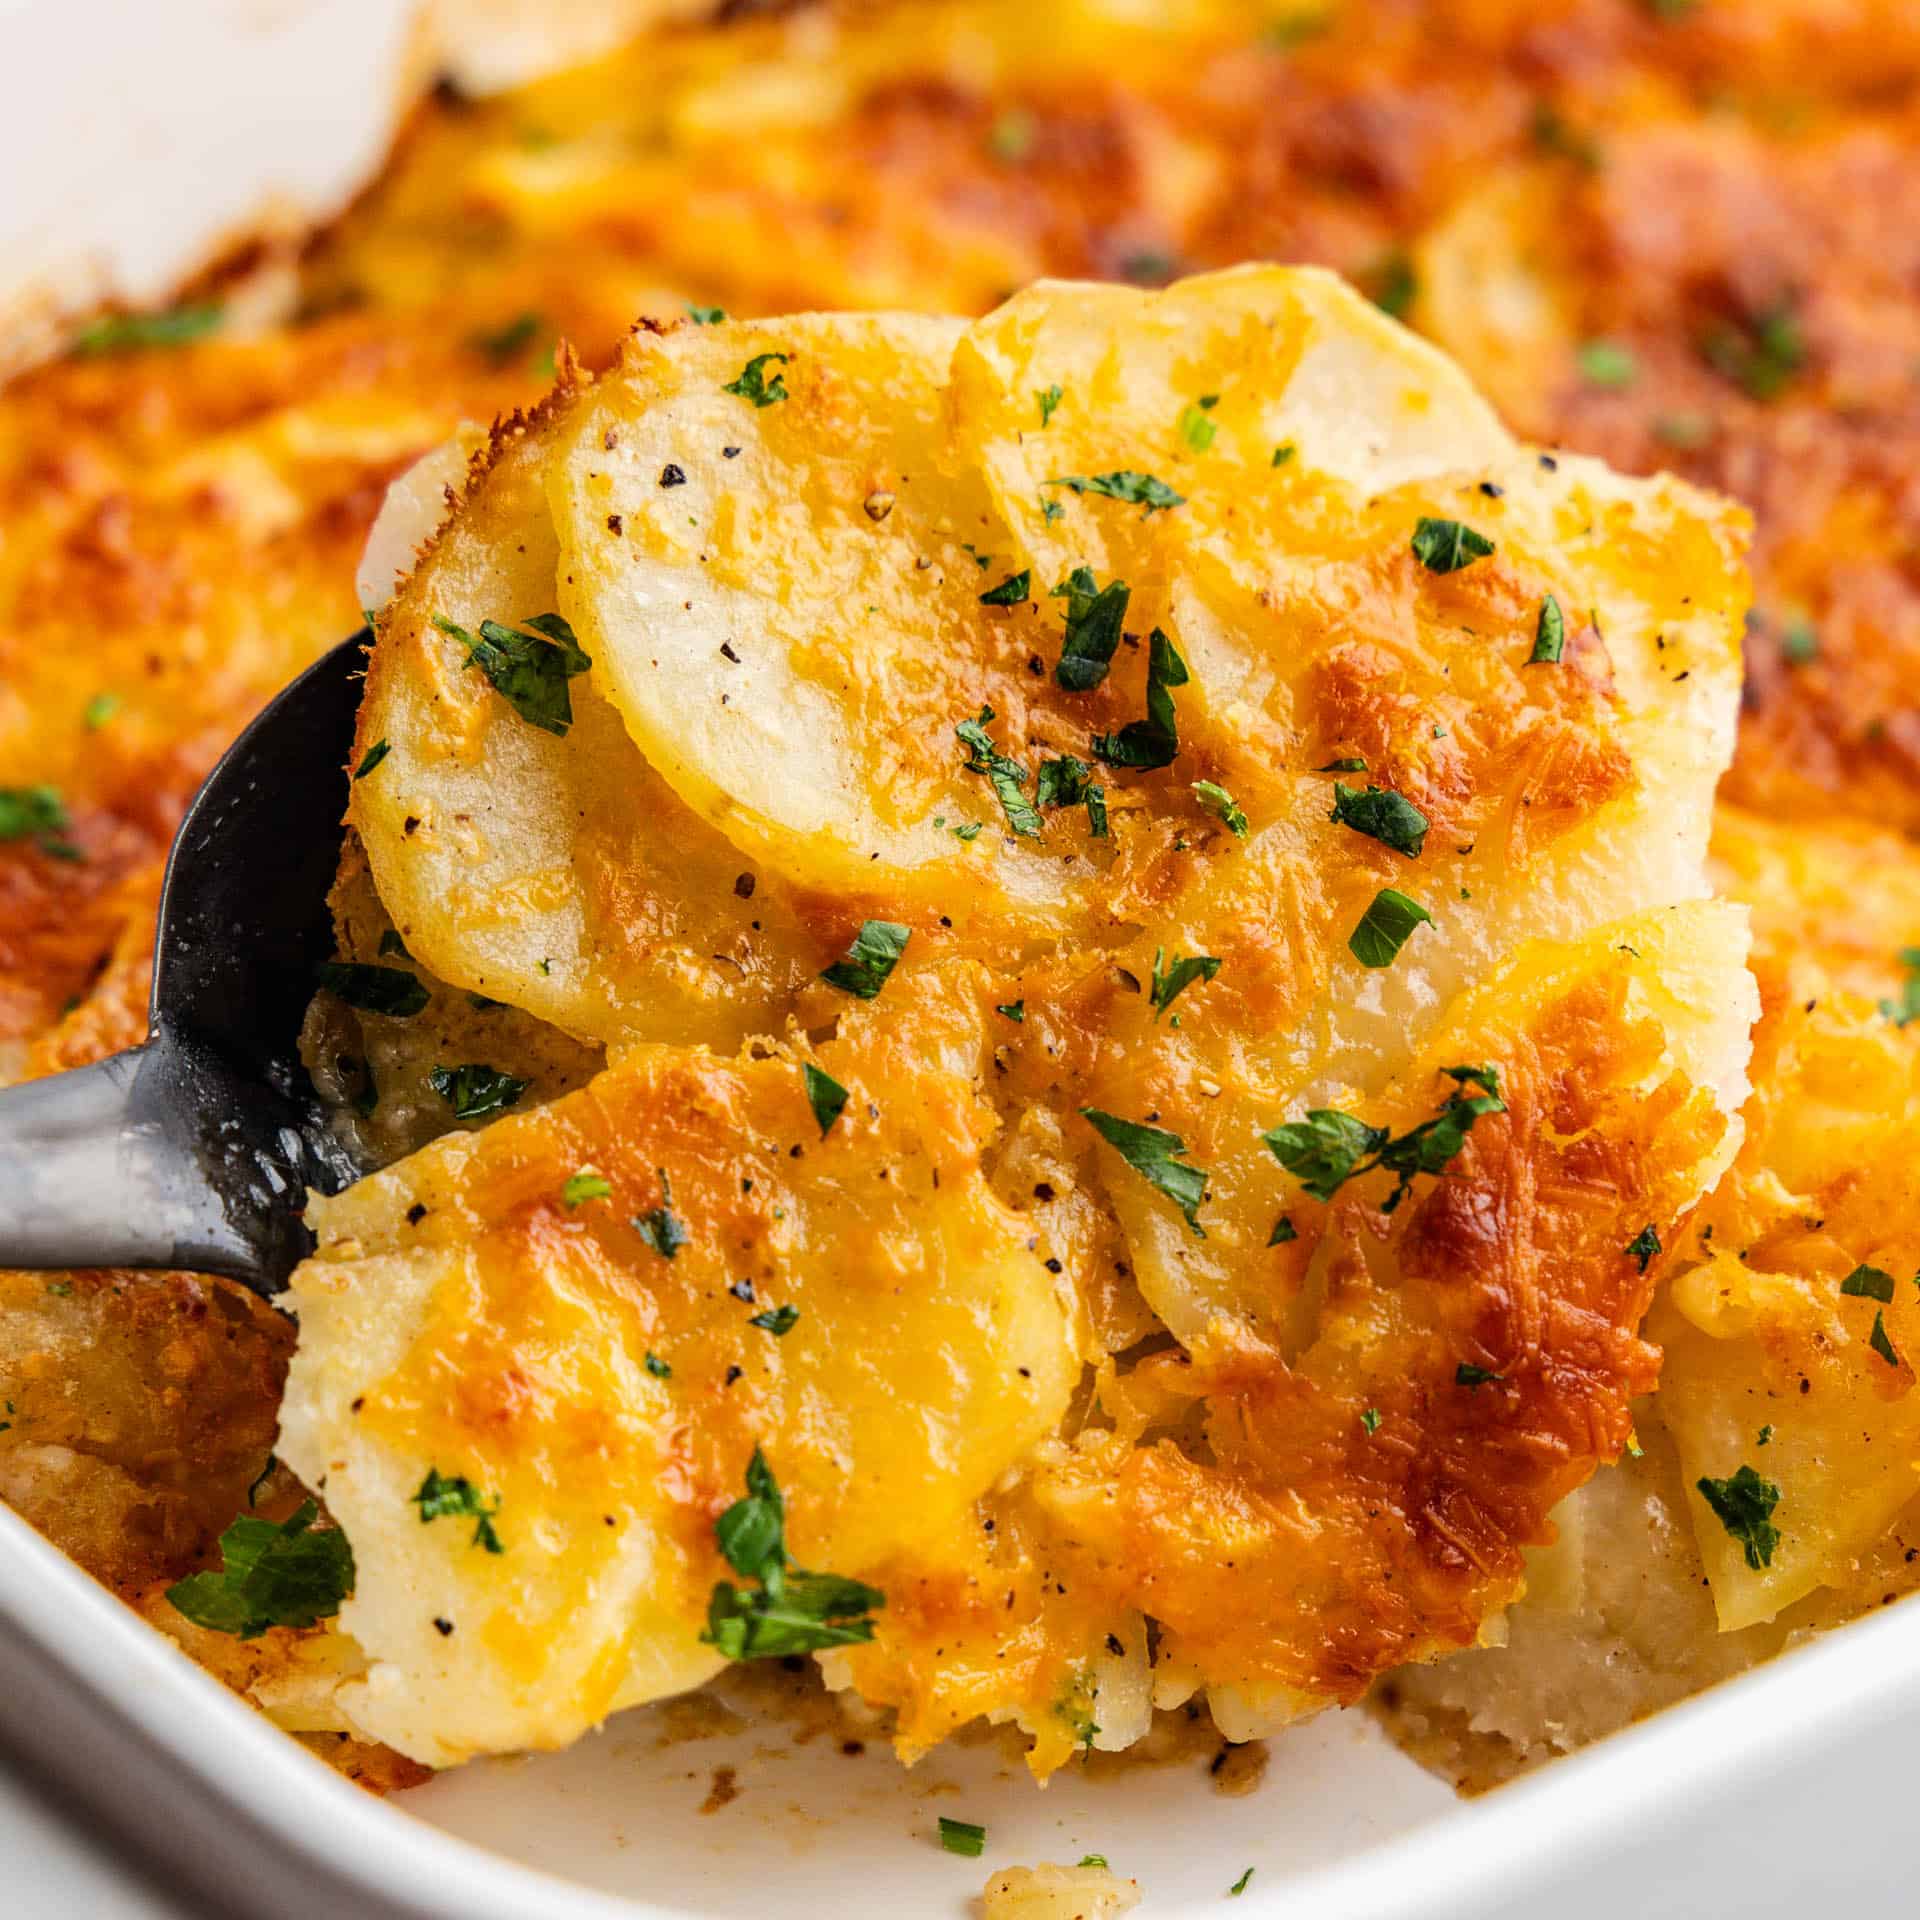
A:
1138, 866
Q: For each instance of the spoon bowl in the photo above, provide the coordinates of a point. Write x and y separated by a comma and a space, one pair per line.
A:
197, 1148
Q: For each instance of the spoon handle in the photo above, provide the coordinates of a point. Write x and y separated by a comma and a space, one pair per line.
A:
159, 1157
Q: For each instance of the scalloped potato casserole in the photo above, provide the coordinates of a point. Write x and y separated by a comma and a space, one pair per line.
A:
1132, 928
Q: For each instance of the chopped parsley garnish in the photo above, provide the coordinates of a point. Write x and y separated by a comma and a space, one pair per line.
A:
1049, 398
1385, 927
1006, 775
1445, 546
1153, 1153
1094, 1860
1370, 1421
875, 952
99, 710
1137, 489
1222, 805
1014, 1010
1240, 1886
1170, 982
1799, 641
1011, 136
793, 1611
1765, 1435
584, 1186
529, 665
660, 1227
706, 316
1284, 1232
776, 1320
1744, 1504
1761, 355
441, 1498
1328, 1148
1062, 782
1902, 1012
1395, 285
1013, 591
1467, 1375
474, 1090
388, 990
657, 1367
1050, 511
1282, 453
1606, 363
1869, 1283
1381, 814
1195, 428
755, 386
372, 758
1549, 635
825, 1095
1350, 763
1094, 616
290, 1575
1154, 741
1878, 1340
963, 1837
1644, 1246
38, 814
123, 332
503, 343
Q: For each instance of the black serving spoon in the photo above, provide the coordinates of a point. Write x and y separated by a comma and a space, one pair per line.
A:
197, 1148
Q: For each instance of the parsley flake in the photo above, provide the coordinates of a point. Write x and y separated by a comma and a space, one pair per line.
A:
1136, 489
440, 1498
1094, 617
1743, 1504
473, 1091
528, 665
124, 332
34, 813
1385, 927
963, 1837
1327, 1148
1607, 364
875, 952
1869, 1283
372, 758
793, 1611
1549, 635
660, 1227
1240, 1886
1284, 1231
503, 343
657, 1367
1445, 546
1759, 355
825, 1095
99, 710
1644, 1246
288, 1575
584, 1186
1154, 741
1395, 285
1902, 1012
1011, 592
1170, 982
1370, 1421
1222, 805
1878, 1340
386, 990
1049, 398
706, 316
1282, 453
1006, 775
1467, 1375
1153, 1153
1014, 1010
1195, 428
776, 1320
755, 386
1381, 814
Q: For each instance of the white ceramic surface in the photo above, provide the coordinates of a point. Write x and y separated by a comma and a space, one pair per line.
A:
149, 128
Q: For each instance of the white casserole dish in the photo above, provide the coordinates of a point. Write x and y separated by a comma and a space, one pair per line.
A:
1779, 1789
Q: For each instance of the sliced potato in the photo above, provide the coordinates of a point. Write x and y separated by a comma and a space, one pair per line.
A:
461, 1317
557, 873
